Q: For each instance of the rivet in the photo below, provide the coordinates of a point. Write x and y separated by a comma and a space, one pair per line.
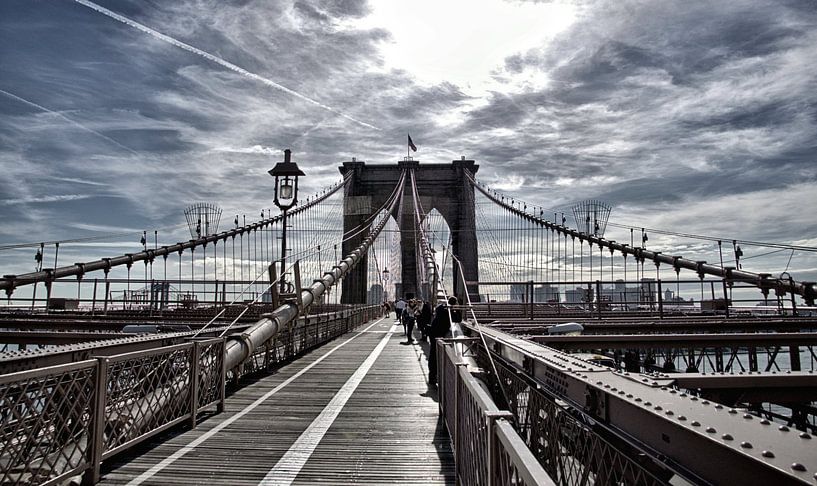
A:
655, 383
629, 395
733, 411
783, 428
638, 399
719, 406
681, 418
599, 383
705, 402
727, 437
695, 423
805, 436
644, 380
747, 416
694, 399
764, 422
682, 395
767, 454
621, 392
613, 389
664, 388
798, 467
711, 430
669, 412
648, 403
658, 407
746, 445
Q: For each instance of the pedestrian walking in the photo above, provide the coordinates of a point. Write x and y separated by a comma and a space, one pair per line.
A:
399, 306
409, 317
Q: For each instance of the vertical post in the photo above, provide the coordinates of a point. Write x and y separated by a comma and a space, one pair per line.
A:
598, 296
194, 382
726, 303
660, 300
456, 421
491, 454
530, 293
794, 357
222, 379
93, 299
282, 283
96, 443
107, 293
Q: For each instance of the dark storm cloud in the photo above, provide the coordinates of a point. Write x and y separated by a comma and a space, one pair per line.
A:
704, 95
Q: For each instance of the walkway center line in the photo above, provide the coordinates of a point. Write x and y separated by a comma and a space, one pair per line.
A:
249, 408
288, 467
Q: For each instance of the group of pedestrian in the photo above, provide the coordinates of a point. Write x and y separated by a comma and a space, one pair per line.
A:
432, 325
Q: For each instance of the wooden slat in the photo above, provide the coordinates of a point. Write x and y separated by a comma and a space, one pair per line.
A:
387, 433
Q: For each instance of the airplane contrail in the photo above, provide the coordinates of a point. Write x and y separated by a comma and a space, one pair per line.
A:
72, 122
217, 60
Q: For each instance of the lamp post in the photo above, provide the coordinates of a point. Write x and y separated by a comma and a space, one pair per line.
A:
286, 195
386, 276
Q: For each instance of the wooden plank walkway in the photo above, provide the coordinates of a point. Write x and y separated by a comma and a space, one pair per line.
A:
356, 411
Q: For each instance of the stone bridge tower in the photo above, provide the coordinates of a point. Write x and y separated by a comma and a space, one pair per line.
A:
443, 187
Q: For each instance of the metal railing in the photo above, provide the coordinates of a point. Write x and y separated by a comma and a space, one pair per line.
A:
62, 421
487, 448
566, 444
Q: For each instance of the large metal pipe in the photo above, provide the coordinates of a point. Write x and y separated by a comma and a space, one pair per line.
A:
760, 280
10, 282
240, 347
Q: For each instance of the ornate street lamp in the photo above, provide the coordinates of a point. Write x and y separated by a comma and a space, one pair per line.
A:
386, 277
286, 196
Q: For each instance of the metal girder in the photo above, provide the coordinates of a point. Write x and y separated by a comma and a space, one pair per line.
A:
694, 435
641, 325
56, 337
751, 387
675, 341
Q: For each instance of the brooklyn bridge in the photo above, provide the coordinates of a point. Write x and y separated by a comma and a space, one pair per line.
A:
268, 353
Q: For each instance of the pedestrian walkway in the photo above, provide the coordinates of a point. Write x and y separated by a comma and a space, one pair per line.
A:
355, 411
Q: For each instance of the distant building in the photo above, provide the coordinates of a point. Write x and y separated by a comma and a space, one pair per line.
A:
546, 293
375, 295
518, 293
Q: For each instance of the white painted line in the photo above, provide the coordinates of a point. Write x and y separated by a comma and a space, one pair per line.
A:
288, 467
249, 408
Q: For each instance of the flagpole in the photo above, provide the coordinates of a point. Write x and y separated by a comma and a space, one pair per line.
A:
407, 147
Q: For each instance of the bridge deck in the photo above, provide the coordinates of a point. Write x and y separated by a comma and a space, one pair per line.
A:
293, 427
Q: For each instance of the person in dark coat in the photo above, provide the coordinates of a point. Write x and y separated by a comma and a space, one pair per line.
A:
424, 320
444, 315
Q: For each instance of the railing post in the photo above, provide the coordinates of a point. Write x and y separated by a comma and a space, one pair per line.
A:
531, 298
490, 420
96, 437
660, 300
107, 293
598, 297
726, 302
194, 382
456, 421
93, 299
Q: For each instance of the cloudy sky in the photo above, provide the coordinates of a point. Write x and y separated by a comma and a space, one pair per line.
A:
698, 116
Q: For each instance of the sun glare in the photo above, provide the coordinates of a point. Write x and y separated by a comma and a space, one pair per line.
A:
463, 41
